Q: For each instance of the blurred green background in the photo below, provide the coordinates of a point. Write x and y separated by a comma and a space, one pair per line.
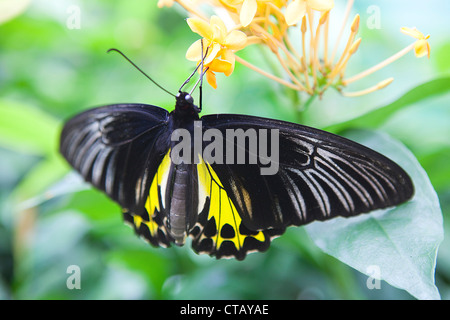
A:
50, 219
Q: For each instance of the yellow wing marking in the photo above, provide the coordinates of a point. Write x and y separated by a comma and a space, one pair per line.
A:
152, 203
160, 179
152, 225
221, 207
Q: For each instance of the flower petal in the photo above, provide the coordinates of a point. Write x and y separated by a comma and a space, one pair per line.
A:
200, 27
231, 5
216, 21
236, 40
321, 5
213, 51
228, 56
222, 66
231, 2
248, 11
219, 34
422, 48
211, 78
219, 29
194, 53
413, 32
295, 11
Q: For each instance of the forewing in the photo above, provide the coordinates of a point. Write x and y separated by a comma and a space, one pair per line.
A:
118, 149
320, 176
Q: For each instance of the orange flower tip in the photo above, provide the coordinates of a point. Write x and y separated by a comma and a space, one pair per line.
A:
378, 86
383, 84
304, 27
355, 23
323, 17
165, 3
354, 46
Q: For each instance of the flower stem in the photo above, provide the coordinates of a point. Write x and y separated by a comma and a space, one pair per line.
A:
341, 32
190, 8
379, 66
379, 86
325, 42
266, 74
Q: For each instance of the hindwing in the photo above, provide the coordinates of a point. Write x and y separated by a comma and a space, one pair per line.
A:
220, 231
150, 224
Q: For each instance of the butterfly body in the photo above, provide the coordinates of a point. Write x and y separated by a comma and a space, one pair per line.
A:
228, 208
181, 190
182, 207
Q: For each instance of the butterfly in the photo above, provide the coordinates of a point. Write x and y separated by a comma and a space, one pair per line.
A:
228, 208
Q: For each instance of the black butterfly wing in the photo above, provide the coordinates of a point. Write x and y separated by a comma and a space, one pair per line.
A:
124, 151
118, 149
320, 176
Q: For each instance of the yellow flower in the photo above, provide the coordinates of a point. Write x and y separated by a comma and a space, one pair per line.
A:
246, 9
313, 69
421, 47
298, 8
219, 45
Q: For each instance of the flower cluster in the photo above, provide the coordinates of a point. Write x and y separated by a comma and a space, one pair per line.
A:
218, 46
310, 63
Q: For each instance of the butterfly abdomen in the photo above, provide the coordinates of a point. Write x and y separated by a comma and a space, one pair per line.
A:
177, 215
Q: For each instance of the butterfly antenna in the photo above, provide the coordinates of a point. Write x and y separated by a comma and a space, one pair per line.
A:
200, 80
196, 68
189, 78
134, 65
200, 90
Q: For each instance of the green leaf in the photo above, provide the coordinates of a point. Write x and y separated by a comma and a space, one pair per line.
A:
401, 242
436, 165
375, 118
27, 129
37, 182
150, 263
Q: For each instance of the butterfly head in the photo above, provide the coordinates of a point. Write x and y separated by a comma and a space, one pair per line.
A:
185, 105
